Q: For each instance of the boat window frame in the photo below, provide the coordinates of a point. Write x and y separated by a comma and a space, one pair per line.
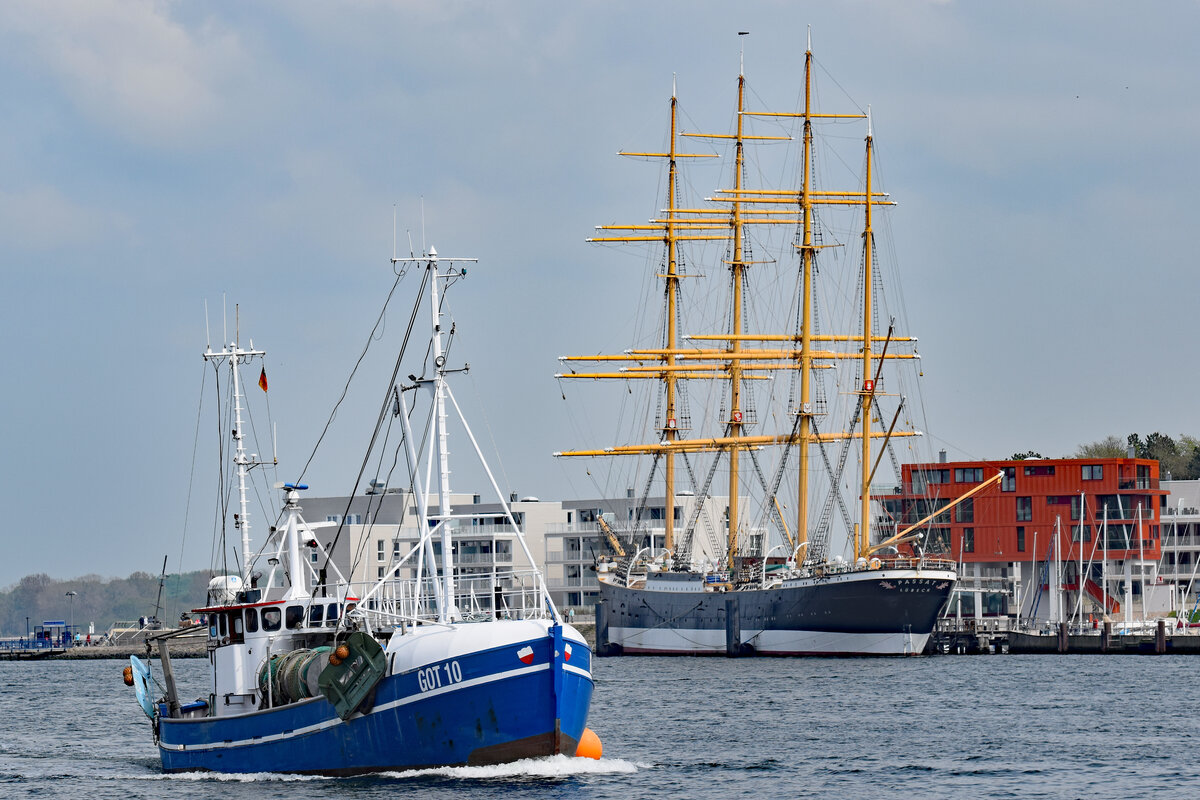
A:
251, 620
272, 619
293, 617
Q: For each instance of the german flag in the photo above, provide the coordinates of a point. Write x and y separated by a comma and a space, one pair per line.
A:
262, 379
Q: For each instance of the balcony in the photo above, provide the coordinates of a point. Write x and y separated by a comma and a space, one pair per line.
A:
1144, 484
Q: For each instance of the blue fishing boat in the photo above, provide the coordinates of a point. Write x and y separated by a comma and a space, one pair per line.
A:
314, 673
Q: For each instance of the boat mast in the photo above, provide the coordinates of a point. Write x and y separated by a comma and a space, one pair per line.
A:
737, 267
670, 428
449, 609
807, 256
868, 385
236, 355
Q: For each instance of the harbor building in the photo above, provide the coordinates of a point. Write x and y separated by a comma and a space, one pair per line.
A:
1181, 539
565, 538
1054, 539
619, 528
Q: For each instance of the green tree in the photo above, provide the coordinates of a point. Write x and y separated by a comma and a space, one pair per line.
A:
1108, 447
1025, 455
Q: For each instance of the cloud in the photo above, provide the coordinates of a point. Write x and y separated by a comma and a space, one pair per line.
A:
41, 218
128, 64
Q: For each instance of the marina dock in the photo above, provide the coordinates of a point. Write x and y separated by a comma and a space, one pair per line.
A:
1100, 640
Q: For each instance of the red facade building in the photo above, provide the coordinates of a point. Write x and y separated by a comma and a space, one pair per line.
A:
1006, 522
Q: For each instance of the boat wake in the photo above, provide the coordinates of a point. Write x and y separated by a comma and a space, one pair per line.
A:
550, 767
559, 766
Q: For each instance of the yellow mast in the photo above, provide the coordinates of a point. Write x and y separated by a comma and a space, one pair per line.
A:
746, 356
665, 230
806, 335
868, 385
737, 267
670, 425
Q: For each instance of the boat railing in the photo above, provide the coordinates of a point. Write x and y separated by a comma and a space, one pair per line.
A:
512, 594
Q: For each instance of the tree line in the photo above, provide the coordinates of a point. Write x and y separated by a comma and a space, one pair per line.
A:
1178, 458
98, 600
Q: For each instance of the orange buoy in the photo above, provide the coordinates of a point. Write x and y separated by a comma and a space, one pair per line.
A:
342, 652
589, 745
333, 659
128, 675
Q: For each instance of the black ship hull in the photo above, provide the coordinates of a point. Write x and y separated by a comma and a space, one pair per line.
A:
889, 611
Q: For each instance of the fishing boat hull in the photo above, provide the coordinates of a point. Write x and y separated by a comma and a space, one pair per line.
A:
868, 612
522, 698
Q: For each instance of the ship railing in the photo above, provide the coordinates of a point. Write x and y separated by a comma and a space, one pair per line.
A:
512, 594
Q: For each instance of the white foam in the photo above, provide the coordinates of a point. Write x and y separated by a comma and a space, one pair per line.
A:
237, 777
559, 766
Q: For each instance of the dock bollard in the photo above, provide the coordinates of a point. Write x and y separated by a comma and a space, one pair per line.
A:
1160, 637
1062, 637
1106, 636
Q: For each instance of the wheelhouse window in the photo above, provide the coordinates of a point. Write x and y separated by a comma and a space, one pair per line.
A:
270, 619
295, 617
315, 614
251, 620
331, 616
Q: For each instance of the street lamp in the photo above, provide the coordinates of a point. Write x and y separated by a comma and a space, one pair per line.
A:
71, 594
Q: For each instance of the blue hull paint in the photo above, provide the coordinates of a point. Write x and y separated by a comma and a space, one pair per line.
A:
500, 710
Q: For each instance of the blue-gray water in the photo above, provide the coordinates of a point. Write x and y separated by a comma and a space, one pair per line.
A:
952, 726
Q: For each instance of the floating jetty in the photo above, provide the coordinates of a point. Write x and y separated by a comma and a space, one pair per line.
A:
1159, 640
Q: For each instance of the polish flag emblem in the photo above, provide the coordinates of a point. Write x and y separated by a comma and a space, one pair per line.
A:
567, 647
525, 654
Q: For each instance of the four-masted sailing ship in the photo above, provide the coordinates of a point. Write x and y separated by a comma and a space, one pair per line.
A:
710, 584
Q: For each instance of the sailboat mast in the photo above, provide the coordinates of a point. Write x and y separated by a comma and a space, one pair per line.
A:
868, 386
807, 256
737, 266
670, 430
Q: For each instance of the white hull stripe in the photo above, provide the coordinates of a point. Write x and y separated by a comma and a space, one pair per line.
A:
769, 641
329, 723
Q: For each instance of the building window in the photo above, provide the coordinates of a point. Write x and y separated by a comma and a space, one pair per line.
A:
969, 475
1024, 509
938, 541
1093, 472
1020, 538
965, 511
1087, 533
382, 572
1009, 483
1040, 469
379, 549
968, 540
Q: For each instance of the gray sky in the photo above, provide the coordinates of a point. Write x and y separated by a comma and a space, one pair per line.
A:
157, 155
